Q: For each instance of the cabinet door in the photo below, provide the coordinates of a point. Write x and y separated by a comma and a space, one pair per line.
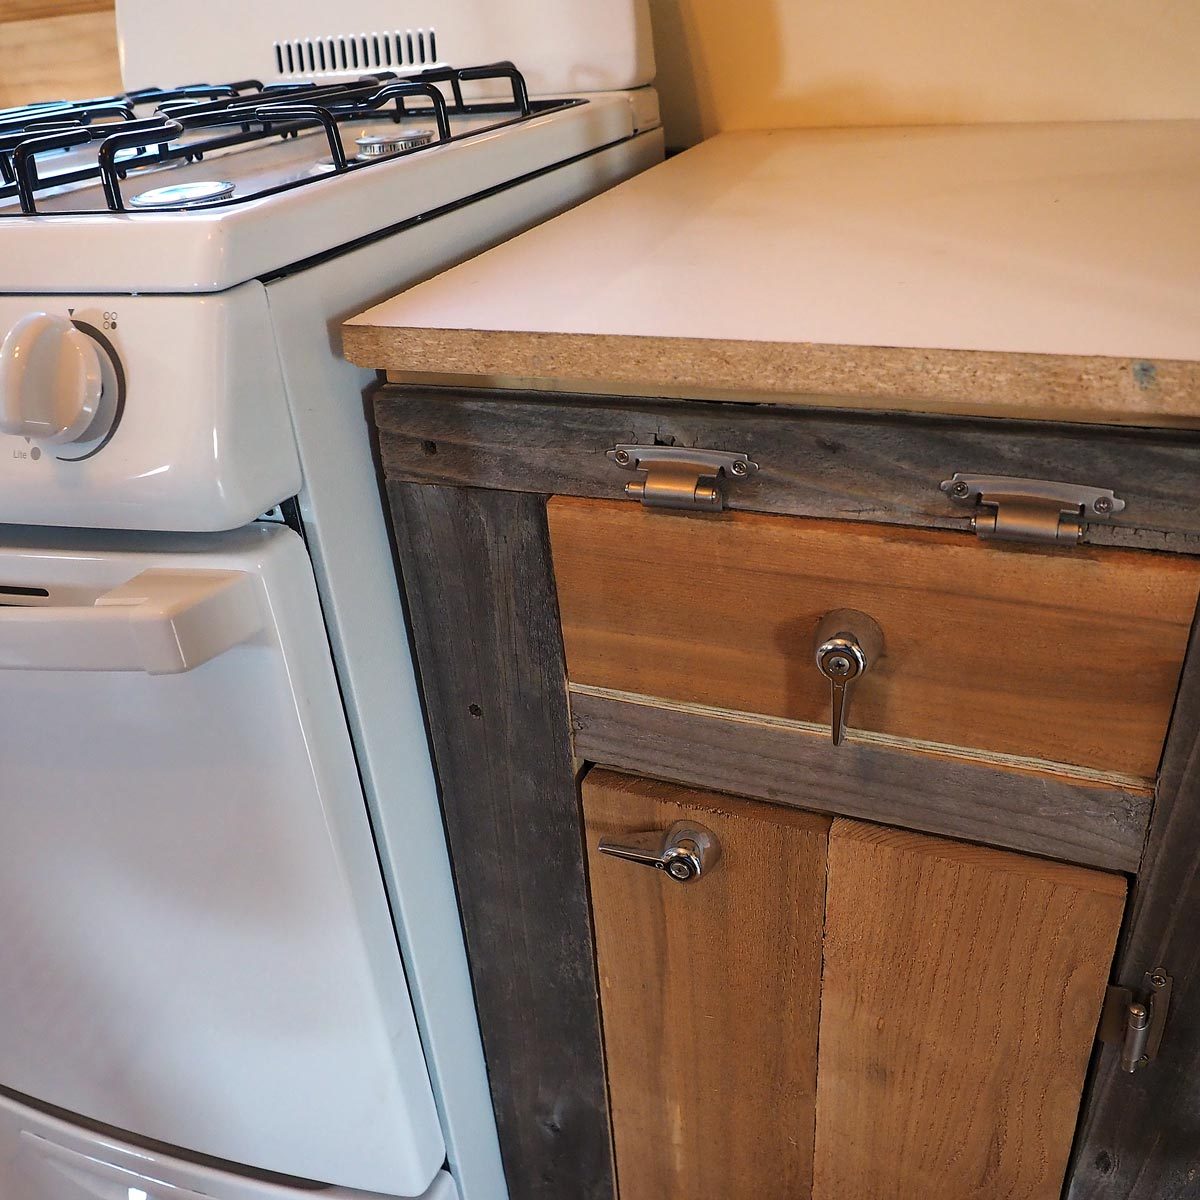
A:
957, 991
961, 994
709, 993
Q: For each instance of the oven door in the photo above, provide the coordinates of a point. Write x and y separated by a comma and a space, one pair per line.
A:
195, 943
44, 1158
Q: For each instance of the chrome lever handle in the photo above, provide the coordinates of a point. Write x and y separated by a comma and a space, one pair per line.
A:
847, 644
685, 852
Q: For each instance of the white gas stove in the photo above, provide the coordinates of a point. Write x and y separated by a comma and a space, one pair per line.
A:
231, 963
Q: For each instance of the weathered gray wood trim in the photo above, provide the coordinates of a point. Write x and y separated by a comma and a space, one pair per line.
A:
813, 462
1094, 823
476, 570
1140, 1136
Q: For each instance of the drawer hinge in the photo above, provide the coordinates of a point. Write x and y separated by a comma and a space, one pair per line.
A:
681, 476
1030, 510
1135, 1020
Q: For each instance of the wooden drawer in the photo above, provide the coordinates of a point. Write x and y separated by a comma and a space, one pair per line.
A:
1067, 656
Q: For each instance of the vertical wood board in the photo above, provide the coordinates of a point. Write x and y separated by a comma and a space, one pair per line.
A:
710, 993
962, 992
1140, 1138
481, 597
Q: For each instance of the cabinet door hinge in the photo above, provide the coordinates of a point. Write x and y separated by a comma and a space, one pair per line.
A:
681, 476
1030, 510
1135, 1020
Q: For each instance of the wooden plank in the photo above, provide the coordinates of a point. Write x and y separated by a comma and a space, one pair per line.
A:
477, 576
1067, 656
1139, 1139
1092, 822
710, 993
30, 10
69, 57
812, 463
962, 991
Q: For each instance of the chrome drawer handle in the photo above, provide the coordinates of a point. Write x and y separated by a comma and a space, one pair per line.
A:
847, 644
685, 852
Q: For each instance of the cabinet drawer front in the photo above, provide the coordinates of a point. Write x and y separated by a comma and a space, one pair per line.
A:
1066, 656
710, 994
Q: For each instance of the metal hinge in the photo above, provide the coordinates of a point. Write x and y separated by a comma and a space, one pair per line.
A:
681, 476
1135, 1020
1030, 510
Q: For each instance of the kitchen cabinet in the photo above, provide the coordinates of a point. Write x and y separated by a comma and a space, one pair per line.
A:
892, 983
956, 989
949, 952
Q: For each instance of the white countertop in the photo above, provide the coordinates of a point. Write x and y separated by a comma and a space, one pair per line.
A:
1054, 240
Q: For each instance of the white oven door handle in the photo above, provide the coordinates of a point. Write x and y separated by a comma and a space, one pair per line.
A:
161, 622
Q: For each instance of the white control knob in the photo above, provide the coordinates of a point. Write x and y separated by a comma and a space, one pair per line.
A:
51, 380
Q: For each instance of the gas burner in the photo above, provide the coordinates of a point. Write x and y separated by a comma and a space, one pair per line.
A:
380, 145
183, 195
114, 138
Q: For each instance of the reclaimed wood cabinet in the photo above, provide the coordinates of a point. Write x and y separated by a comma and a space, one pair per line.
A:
840, 1009
892, 982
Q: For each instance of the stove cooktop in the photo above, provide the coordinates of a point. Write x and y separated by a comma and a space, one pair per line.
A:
213, 146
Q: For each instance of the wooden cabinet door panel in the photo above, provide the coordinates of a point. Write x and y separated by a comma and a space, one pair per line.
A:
710, 995
961, 993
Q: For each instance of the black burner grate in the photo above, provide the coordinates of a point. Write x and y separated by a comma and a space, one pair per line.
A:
155, 126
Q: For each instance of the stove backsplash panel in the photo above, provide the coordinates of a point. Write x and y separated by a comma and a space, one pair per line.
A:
562, 46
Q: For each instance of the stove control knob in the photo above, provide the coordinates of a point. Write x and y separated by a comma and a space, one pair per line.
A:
52, 378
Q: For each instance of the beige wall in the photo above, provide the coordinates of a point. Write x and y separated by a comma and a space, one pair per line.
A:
745, 64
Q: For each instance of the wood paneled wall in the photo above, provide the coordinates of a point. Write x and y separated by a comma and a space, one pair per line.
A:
774, 64
57, 49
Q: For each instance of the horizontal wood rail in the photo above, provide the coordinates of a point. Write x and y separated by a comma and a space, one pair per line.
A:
1089, 821
812, 462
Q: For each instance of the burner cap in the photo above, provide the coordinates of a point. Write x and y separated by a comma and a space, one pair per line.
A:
379, 145
183, 195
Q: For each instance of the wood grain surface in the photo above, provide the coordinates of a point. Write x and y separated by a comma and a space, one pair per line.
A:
1094, 822
1088, 389
476, 572
812, 462
710, 993
58, 52
1068, 656
1141, 1133
29, 10
962, 991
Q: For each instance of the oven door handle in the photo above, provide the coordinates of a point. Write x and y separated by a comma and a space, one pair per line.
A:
162, 622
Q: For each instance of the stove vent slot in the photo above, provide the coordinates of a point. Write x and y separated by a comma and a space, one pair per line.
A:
341, 53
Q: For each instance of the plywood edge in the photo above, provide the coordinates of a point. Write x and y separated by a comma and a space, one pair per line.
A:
988, 383
902, 841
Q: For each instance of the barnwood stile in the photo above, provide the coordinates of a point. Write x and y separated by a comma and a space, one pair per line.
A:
469, 475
